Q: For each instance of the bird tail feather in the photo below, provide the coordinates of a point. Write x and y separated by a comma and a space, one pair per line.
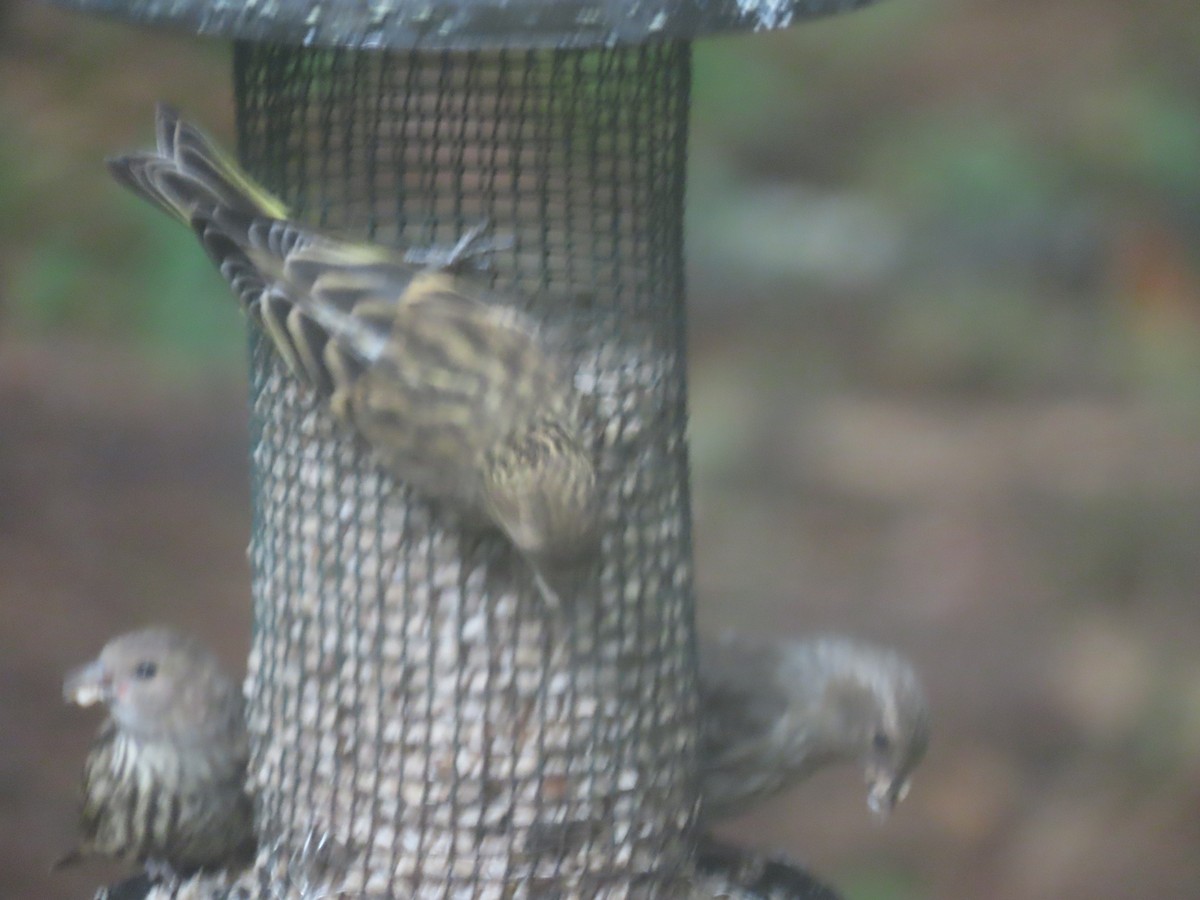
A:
187, 171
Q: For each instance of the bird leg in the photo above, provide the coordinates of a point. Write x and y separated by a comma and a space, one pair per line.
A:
473, 248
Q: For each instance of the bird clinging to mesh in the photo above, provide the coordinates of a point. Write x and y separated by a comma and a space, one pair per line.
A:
774, 711
164, 781
453, 388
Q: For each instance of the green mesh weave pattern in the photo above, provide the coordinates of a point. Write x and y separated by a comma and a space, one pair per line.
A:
422, 727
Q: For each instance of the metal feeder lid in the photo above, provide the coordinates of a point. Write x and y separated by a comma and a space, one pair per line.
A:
464, 24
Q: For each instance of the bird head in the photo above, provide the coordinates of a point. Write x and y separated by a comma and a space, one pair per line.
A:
878, 715
896, 740
157, 684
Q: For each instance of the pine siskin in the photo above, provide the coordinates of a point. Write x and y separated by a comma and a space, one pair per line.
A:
164, 780
773, 712
452, 387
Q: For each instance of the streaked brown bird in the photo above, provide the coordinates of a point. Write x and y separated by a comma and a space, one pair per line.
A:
164, 781
453, 387
775, 711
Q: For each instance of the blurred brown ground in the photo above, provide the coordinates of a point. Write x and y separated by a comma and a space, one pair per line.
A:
1012, 499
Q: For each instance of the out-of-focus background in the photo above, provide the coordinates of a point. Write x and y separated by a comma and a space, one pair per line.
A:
945, 335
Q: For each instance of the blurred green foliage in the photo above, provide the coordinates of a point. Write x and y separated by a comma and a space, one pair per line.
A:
870, 883
120, 271
1144, 132
968, 165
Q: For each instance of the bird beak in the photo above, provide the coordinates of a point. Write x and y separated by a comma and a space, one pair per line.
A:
88, 684
885, 792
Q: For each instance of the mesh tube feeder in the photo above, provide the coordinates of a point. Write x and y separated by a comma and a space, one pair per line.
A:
421, 727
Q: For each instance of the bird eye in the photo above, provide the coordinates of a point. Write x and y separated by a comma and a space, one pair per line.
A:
881, 741
145, 670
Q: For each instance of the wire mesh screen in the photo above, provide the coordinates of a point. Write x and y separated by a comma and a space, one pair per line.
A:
423, 726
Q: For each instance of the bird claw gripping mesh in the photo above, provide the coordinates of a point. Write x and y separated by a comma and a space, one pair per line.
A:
474, 249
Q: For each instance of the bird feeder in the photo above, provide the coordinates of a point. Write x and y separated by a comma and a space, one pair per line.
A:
421, 726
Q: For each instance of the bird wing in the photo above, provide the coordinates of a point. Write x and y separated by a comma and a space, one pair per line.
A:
740, 705
338, 310
458, 376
